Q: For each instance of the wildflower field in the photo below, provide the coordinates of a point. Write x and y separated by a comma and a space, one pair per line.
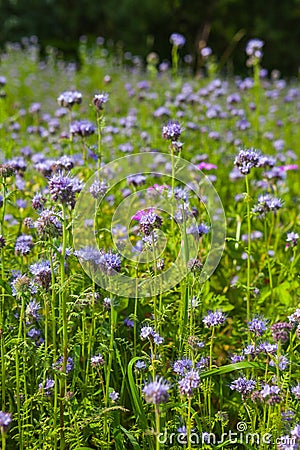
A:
149, 293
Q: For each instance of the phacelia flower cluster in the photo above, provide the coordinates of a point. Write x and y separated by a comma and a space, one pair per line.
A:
63, 188
292, 239
254, 48
172, 130
69, 98
24, 244
58, 365
5, 420
189, 382
110, 262
148, 221
243, 386
148, 332
46, 388
42, 273
258, 326
48, 224
97, 360
214, 319
82, 128
99, 100
98, 189
267, 203
156, 391
177, 39
247, 159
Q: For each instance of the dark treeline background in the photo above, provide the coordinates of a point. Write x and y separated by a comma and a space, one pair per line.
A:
142, 26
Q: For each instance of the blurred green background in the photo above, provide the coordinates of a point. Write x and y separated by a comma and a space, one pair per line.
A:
142, 26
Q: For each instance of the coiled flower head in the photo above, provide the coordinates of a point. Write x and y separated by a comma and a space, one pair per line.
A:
156, 391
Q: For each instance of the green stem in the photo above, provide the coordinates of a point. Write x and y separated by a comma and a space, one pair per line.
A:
3, 439
248, 251
189, 424
18, 375
157, 424
175, 60
155, 277
135, 312
53, 326
109, 365
267, 242
2, 315
99, 126
210, 368
2, 320
92, 331
63, 311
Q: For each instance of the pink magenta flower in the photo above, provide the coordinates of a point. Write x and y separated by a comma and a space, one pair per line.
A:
289, 167
207, 166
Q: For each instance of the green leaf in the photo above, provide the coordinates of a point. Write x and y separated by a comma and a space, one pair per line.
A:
232, 368
137, 404
6, 286
131, 438
83, 448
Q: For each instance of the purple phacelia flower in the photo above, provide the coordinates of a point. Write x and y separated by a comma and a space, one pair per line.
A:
114, 396
99, 100
98, 189
38, 201
267, 203
32, 311
2, 241
172, 131
280, 331
295, 390
140, 365
42, 273
214, 319
243, 386
295, 317
237, 358
82, 128
47, 386
181, 366
177, 39
5, 420
156, 391
282, 362
58, 365
247, 159
128, 322
136, 180
203, 363
189, 382
148, 221
254, 48
292, 239
24, 244
266, 347
69, 98
97, 360
48, 224
110, 262
258, 326
63, 188
269, 390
